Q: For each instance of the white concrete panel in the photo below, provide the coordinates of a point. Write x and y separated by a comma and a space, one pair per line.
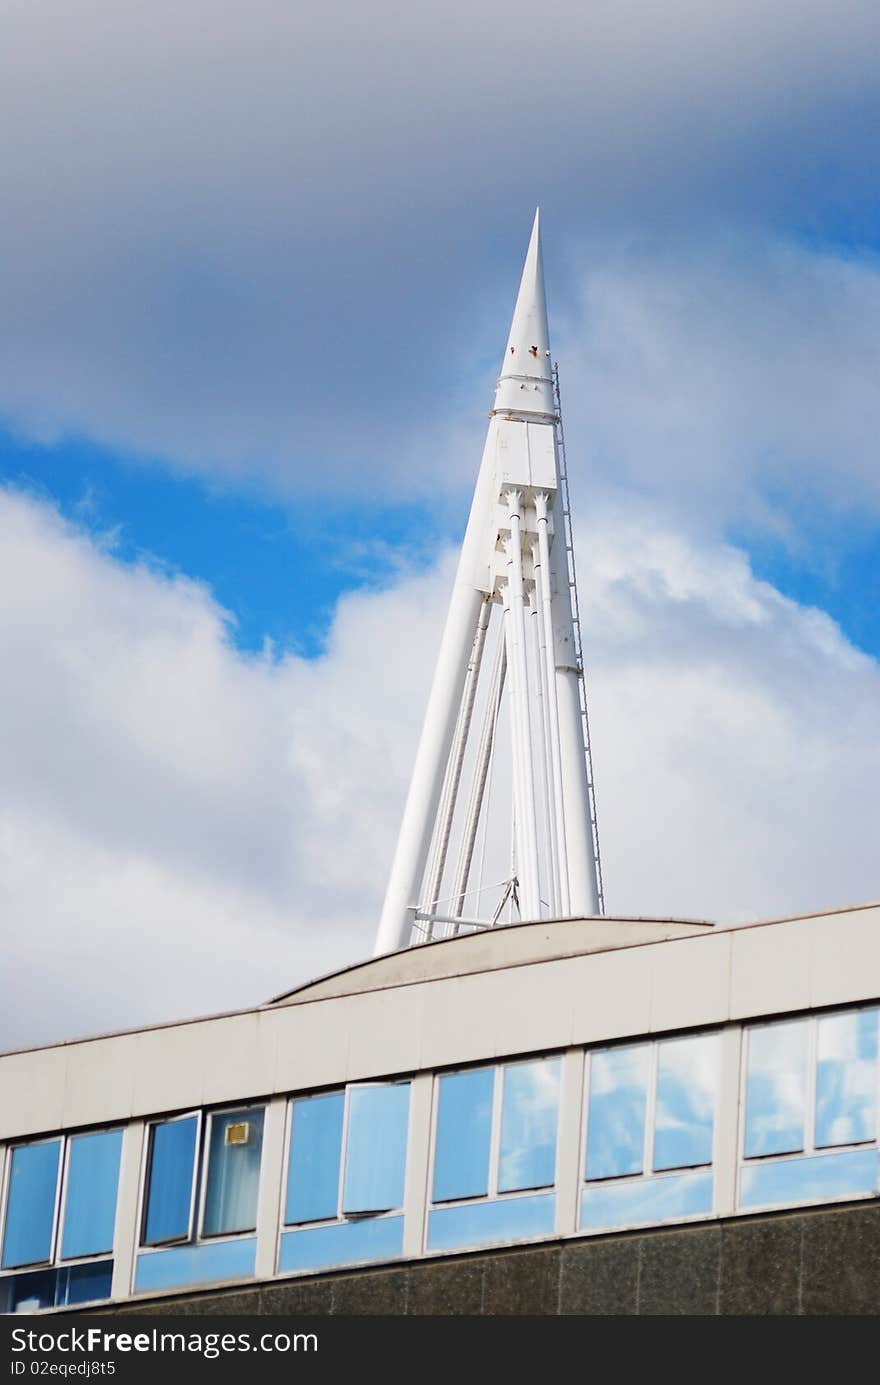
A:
727, 1116
311, 1048
457, 1022
522, 1010
569, 1151
417, 1163
32, 1092
612, 994
269, 1202
170, 1066
534, 1007
127, 1203
770, 969
690, 982
99, 1086
240, 1059
845, 958
384, 1032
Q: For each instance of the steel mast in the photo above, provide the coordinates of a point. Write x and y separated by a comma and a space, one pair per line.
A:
513, 568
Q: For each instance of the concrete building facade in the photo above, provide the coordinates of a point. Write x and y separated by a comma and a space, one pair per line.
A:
574, 1115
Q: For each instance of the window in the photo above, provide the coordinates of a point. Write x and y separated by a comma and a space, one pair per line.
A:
201, 1184
345, 1176
347, 1153
494, 1165
60, 1211
810, 1125
650, 1132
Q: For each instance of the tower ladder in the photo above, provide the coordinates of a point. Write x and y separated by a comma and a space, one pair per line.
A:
578, 643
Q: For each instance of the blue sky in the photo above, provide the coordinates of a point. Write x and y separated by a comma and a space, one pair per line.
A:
256, 271
280, 579
281, 309
835, 568
277, 576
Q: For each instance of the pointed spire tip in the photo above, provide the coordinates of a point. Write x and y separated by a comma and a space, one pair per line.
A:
525, 384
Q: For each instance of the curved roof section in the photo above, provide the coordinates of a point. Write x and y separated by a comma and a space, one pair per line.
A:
508, 945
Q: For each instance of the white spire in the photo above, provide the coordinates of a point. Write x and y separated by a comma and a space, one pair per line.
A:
512, 600
526, 380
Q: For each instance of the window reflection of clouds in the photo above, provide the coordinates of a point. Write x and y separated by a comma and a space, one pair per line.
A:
375, 1156
496, 1219
616, 1120
849, 1173
315, 1151
643, 1200
529, 1119
687, 1076
846, 1078
776, 1088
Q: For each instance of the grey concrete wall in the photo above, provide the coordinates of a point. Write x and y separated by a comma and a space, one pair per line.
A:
822, 1261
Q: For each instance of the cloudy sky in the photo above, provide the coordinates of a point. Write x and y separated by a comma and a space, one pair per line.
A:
257, 264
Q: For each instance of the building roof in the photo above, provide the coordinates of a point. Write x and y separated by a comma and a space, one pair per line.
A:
524, 989
508, 946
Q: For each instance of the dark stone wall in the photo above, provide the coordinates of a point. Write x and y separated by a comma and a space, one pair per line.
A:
822, 1261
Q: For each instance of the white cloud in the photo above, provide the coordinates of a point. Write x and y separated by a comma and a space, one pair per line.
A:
738, 383
223, 233
174, 811
185, 828
736, 763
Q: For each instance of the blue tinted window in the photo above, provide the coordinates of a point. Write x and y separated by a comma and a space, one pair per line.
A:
776, 1088
30, 1206
58, 1288
233, 1172
202, 1263
315, 1151
464, 1130
498, 1219
684, 1118
90, 1199
846, 1078
616, 1120
343, 1243
641, 1200
84, 1283
812, 1178
529, 1118
169, 1196
375, 1160
25, 1293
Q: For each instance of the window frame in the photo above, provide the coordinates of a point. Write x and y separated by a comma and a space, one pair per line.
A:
57, 1214
809, 1149
146, 1171
61, 1192
199, 1236
55, 1262
342, 1217
198, 1180
648, 1173
650, 1106
492, 1194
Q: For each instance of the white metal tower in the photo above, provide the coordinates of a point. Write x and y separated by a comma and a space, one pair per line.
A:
513, 592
